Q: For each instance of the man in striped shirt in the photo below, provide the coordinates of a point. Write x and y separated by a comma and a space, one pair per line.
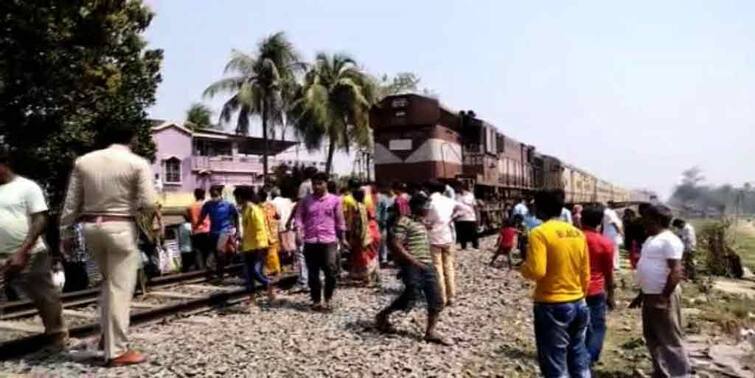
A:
410, 246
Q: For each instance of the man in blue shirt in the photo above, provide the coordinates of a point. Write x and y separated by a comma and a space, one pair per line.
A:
224, 226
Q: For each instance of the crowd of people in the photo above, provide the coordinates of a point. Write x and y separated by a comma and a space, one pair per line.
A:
570, 253
573, 262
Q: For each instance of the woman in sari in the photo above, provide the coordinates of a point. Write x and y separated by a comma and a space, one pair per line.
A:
374, 231
272, 261
363, 260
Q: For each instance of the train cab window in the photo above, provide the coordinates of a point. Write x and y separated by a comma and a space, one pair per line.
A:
472, 138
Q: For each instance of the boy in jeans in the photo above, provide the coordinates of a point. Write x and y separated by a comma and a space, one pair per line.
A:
411, 251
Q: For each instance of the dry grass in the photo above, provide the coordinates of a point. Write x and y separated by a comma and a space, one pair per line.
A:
743, 238
624, 349
713, 314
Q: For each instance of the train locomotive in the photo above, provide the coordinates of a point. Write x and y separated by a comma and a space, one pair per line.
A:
418, 139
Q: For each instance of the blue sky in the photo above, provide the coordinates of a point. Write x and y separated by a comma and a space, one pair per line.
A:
634, 92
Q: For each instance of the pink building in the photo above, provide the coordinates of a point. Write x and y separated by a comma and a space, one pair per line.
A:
187, 160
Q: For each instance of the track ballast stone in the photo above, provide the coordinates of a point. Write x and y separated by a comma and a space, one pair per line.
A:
489, 323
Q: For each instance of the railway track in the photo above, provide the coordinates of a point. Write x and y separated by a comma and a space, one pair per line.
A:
24, 308
167, 296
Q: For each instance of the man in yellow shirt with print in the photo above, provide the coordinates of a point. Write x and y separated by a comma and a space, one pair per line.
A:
559, 263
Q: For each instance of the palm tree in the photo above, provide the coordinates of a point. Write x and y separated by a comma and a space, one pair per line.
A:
198, 115
334, 102
256, 84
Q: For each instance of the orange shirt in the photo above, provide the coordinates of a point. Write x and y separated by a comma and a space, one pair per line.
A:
194, 211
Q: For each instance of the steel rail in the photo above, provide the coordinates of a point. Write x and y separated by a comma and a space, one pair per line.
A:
30, 344
84, 297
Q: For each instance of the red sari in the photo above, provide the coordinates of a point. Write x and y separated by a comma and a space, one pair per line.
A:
374, 231
364, 241
360, 241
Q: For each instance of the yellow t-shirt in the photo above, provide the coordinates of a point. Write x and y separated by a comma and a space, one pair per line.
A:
558, 262
255, 228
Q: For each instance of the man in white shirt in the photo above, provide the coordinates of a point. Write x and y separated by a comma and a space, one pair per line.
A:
159, 186
520, 209
449, 192
613, 229
25, 264
659, 272
686, 232
305, 189
566, 216
466, 223
284, 207
440, 216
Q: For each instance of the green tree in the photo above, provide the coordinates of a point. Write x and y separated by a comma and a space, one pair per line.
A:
334, 103
69, 70
403, 82
256, 86
198, 116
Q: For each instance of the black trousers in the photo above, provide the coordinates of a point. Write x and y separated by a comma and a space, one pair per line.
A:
202, 248
418, 282
466, 232
321, 257
77, 277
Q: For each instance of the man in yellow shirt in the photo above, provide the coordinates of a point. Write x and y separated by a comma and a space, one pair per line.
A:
559, 263
255, 239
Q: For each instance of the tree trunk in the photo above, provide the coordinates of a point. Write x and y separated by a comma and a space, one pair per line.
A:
264, 138
331, 150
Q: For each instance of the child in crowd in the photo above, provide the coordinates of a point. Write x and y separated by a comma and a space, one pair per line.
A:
521, 235
507, 240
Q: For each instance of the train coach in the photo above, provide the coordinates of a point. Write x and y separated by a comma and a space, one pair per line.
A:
416, 139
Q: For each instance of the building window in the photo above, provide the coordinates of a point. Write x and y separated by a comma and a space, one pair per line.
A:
172, 172
212, 148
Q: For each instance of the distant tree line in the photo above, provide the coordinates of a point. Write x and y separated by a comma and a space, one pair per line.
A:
693, 195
